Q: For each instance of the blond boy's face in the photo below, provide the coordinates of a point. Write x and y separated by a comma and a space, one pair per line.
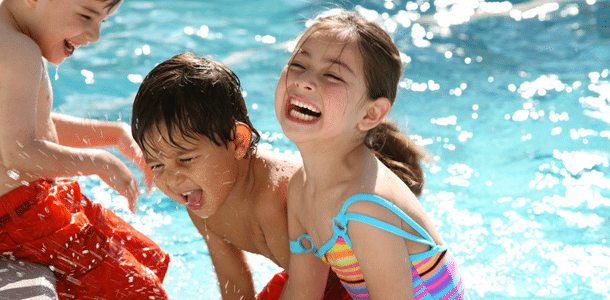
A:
201, 176
62, 26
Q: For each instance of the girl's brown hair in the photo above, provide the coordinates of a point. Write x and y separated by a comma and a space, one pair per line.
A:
382, 70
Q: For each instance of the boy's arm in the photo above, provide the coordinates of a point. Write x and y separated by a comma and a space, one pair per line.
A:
230, 264
30, 157
85, 133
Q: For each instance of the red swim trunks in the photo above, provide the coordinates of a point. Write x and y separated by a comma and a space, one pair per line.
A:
94, 253
273, 289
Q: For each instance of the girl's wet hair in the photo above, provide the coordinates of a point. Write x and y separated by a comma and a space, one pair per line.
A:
383, 69
192, 97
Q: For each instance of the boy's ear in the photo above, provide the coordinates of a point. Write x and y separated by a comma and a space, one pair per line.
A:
31, 3
243, 134
375, 112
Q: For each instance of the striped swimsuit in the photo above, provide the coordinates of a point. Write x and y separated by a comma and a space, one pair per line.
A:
435, 272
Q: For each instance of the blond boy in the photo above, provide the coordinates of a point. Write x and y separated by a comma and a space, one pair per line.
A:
47, 220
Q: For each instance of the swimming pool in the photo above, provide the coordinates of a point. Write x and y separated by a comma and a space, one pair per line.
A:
515, 106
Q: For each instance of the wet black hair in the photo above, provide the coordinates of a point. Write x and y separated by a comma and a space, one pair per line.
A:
191, 96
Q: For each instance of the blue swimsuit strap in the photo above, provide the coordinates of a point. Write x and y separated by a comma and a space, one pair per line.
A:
343, 217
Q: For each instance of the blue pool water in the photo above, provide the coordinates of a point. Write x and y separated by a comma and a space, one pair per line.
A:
515, 107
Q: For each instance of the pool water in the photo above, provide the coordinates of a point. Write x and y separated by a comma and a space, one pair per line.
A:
515, 106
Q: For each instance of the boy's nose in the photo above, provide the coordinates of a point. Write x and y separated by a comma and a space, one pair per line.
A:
174, 178
93, 32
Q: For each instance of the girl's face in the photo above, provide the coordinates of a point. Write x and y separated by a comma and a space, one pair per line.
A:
321, 92
200, 176
64, 25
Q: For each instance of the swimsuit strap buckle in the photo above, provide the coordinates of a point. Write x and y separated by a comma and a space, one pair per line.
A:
340, 224
296, 246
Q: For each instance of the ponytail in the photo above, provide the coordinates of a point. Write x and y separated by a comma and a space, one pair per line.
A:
398, 153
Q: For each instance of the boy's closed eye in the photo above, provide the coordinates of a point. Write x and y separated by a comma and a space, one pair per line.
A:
155, 167
188, 160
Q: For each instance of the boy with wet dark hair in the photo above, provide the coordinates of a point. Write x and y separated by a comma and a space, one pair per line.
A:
190, 119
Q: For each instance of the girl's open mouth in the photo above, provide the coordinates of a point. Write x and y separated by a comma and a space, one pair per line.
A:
301, 111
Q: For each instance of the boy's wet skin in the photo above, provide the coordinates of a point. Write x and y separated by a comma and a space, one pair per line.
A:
191, 121
247, 192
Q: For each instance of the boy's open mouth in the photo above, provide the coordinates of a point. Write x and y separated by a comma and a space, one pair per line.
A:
69, 47
193, 199
303, 111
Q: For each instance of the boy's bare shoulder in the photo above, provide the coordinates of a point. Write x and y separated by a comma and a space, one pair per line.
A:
279, 163
20, 54
278, 170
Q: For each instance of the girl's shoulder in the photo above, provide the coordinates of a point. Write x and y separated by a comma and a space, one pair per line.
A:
386, 188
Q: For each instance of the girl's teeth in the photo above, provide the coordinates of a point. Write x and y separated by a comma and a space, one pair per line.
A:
300, 115
304, 105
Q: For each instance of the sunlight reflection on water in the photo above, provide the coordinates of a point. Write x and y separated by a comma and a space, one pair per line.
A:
514, 104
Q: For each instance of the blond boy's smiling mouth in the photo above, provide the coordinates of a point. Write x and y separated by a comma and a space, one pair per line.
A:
69, 47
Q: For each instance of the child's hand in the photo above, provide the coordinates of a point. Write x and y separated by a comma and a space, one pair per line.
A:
130, 149
118, 176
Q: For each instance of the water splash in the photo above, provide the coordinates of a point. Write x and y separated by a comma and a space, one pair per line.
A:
13, 174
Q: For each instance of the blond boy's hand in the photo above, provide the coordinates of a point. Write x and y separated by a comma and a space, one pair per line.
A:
129, 148
118, 176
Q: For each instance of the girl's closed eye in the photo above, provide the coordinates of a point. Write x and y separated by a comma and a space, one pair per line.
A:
332, 76
297, 65
85, 17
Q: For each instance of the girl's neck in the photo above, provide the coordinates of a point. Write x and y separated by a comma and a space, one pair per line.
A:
328, 165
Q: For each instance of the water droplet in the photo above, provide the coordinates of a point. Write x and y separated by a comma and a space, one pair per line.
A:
12, 174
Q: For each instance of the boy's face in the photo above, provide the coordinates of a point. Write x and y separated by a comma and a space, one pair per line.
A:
201, 176
64, 25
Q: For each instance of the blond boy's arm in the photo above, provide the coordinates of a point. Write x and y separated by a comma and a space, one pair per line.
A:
28, 156
86, 133
230, 264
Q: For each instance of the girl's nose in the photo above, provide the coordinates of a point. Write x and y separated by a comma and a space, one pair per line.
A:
305, 81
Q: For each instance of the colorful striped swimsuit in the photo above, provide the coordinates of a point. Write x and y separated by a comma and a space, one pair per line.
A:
435, 272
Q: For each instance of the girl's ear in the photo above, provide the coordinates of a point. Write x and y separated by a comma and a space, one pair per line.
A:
243, 134
375, 112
